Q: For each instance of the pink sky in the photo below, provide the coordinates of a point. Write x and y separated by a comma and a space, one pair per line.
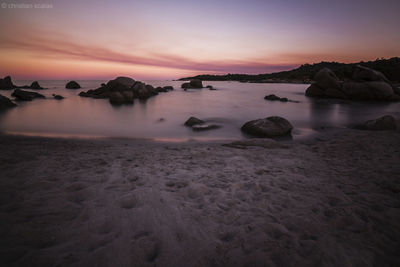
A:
170, 39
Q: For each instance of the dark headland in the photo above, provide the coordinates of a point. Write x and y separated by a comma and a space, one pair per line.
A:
305, 73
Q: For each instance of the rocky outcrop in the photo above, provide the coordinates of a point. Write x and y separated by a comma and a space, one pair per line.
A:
122, 90
268, 127
72, 85
35, 85
58, 97
6, 83
193, 84
23, 95
210, 87
366, 84
385, 123
6, 103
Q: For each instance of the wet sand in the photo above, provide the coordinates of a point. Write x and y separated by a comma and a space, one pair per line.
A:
333, 200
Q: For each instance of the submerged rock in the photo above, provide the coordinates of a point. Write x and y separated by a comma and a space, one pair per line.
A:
168, 87
366, 84
23, 95
268, 127
72, 85
276, 98
6, 103
210, 87
193, 121
205, 127
58, 97
385, 123
6, 83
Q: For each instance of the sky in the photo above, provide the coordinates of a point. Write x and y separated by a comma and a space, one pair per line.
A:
169, 39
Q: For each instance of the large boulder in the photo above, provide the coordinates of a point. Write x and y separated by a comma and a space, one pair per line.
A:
6, 83
366, 84
72, 85
268, 127
385, 123
125, 81
23, 95
6, 103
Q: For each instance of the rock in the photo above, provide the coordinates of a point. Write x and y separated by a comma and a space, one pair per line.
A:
193, 84
125, 81
366, 84
205, 127
385, 123
6, 83
35, 85
268, 127
276, 98
210, 87
6, 103
72, 85
169, 88
119, 98
23, 95
368, 90
161, 90
58, 97
193, 121
196, 83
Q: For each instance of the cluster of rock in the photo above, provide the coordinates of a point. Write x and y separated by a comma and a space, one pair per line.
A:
7, 84
200, 125
34, 85
123, 90
269, 127
366, 84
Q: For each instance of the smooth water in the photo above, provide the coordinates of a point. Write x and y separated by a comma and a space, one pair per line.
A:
162, 116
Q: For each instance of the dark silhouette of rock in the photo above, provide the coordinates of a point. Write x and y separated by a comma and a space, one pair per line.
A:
385, 123
58, 97
193, 121
161, 90
268, 127
23, 95
127, 90
72, 85
210, 87
6, 83
366, 84
6, 103
276, 98
168, 87
193, 84
35, 85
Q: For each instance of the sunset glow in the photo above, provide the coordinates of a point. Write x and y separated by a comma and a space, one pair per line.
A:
153, 40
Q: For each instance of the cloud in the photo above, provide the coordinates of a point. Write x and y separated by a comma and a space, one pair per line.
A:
56, 46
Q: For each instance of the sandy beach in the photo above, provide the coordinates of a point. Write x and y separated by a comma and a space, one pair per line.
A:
332, 200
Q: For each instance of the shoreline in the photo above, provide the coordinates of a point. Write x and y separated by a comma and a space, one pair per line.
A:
332, 200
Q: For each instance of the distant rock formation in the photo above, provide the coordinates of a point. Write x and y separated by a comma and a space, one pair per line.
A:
385, 123
6, 103
72, 85
23, 95
6, 83
193, 84
58, 97
122, 90
366, 84
268, 127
